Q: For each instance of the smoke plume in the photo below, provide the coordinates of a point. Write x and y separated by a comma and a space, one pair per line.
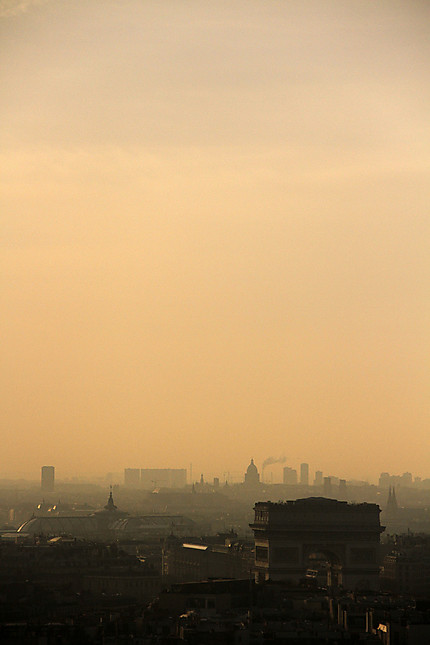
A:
273, 460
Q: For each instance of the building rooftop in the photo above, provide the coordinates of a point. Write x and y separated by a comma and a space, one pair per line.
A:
313, 502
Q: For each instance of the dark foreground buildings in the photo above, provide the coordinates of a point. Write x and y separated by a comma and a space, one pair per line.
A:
203, 590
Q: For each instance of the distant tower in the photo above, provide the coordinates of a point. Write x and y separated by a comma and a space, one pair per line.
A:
48, 479
252, 478
304, 474
318, 481
327, 487
342, 489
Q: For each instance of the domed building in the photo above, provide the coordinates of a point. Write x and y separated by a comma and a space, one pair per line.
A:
252, 477
93, 525
107, 523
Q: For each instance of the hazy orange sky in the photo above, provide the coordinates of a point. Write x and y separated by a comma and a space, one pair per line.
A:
215, 235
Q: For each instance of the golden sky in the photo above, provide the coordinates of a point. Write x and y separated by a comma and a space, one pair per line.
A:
215, 235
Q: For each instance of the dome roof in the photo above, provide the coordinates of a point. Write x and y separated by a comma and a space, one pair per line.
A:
252, 468
79, 526
110, 509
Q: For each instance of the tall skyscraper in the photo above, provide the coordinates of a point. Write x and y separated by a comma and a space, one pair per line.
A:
48, 479
304, 474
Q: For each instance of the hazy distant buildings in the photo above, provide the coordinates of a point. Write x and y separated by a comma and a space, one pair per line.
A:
151, 478
406, 480
48, 479
252, 477
304, 474
290, 476
132, 477
384, 480
318, 481
328, 492
342, 489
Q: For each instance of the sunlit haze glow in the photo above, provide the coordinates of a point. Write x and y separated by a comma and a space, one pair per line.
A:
215, 235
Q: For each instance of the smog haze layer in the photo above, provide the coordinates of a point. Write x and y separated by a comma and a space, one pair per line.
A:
215, 235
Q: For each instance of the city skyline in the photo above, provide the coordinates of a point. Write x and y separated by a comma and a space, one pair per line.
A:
273, 471
148, 477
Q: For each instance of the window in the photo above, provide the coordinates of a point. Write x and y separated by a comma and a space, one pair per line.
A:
262, 553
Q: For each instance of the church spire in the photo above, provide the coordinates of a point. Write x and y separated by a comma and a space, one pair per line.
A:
391, 508
110, 506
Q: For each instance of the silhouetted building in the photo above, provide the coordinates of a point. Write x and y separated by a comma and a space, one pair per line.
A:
288, 534
290, 476
48, 479
304, 474
252, 478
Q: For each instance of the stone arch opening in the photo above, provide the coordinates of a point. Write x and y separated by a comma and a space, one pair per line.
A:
323, 567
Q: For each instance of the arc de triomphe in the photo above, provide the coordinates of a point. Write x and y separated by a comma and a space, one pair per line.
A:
287, 533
